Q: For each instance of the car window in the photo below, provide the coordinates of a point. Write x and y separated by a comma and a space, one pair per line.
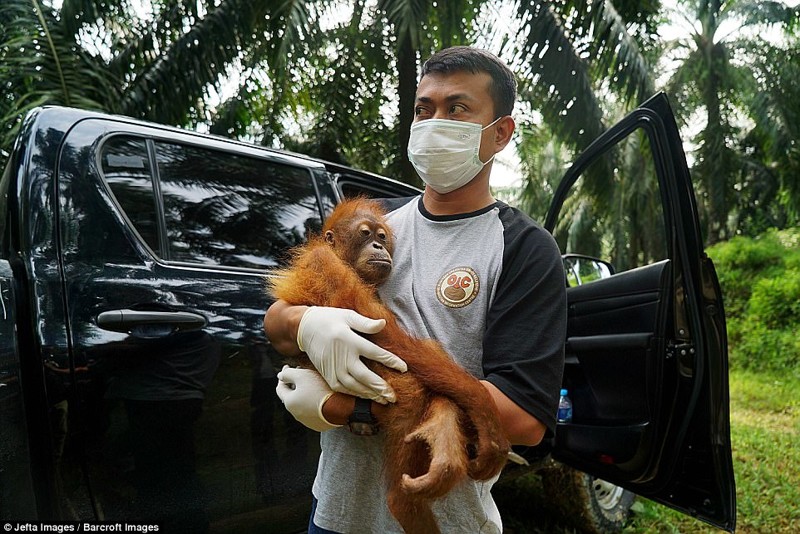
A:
219, 209
126, 168
353, 185
614, 211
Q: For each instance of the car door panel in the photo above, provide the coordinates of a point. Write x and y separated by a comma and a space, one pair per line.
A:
166, 244
628, 302
167, 240
613, 327
646, 354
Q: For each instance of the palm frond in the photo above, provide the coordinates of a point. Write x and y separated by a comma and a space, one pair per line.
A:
763, 12
408, 18
617, 55
542, 162
556, 76
453, 19
170, 88
682, 85
75, 14
41, 64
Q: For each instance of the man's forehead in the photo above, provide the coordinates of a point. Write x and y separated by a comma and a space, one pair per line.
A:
458, 85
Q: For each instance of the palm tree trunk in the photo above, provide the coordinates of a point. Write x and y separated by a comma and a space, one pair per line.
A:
407, 91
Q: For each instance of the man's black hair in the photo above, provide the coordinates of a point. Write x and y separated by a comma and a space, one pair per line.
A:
503, 87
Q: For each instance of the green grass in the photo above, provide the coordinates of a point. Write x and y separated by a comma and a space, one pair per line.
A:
765, 429
765, 432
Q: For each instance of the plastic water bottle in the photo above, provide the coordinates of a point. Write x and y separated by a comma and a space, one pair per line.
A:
564, 408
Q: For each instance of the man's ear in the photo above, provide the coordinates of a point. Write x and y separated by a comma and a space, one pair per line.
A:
504, 129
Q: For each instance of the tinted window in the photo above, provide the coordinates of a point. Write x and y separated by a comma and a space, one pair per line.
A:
126, 168
219, 208
223, 209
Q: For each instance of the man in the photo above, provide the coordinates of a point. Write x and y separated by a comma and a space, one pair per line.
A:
507, 326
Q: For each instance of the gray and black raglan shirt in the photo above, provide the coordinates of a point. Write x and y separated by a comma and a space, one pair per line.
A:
490, 287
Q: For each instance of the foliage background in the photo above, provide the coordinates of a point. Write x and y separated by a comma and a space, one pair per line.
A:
760, 278
336, 79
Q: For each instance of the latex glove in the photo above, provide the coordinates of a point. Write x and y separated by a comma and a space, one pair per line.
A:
303, 392
327, 336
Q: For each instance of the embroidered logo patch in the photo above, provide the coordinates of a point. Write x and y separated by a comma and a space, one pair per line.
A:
458, 287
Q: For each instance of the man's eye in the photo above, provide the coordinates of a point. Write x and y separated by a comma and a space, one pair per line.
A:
420, 112
456, 108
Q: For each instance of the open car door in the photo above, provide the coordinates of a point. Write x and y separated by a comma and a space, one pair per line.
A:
646, 354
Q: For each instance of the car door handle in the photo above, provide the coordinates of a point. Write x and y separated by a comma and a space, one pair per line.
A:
153, 322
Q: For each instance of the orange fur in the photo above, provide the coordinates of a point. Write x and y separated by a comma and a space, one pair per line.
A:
440, 408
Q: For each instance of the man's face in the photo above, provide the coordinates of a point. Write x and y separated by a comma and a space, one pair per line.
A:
460, 96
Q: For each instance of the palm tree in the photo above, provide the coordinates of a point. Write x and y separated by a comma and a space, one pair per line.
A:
338, 84
586, 65
715, 80
40, 63
101, 54
573, 52
366, 65
767, 185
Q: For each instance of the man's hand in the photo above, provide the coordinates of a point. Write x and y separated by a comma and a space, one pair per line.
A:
303, 392
327, 336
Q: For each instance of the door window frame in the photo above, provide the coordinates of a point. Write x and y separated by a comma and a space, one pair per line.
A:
151, 138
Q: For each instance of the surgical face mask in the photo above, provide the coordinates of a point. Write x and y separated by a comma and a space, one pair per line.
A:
444, 152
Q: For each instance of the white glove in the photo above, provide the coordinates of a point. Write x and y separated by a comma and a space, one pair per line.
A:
327, 336
303, 392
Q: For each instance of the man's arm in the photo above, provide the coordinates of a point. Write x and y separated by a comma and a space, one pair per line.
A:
523, 354
281, 323
521, 428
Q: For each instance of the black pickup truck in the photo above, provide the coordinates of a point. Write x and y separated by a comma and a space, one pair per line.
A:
136, 383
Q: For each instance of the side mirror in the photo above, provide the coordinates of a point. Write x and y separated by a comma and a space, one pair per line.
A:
584, 269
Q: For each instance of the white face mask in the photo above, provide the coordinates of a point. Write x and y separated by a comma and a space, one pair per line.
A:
444, 152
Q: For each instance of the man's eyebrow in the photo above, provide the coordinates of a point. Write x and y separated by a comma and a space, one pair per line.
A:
449, 98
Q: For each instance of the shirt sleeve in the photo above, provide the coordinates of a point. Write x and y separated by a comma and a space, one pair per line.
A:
523, 346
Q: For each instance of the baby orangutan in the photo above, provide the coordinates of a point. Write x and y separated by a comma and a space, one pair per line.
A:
444, 425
